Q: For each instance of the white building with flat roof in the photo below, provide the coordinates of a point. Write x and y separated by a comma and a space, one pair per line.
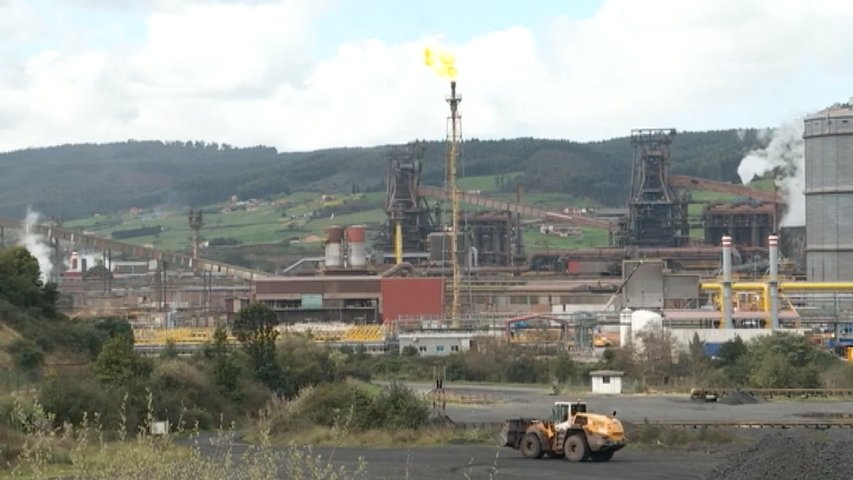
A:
607, 381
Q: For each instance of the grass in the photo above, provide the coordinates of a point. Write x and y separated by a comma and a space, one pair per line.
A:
485, 183
282, 220
380, 438
287, 219
592, 237
653, 437
82, 452
7, 336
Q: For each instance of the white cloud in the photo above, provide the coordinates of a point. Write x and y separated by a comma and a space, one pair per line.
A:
246, 73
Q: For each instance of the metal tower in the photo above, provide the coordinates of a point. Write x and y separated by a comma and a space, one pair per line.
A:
410, 219
454, 137
657, 215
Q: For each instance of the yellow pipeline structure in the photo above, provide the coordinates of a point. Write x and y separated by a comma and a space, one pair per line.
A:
764, 288
180, 335
789, 286
398, 242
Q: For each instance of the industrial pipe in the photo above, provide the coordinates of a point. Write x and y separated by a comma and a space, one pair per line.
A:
783, 286
819, 286
736, 286
728, 307
773, 284
398, 242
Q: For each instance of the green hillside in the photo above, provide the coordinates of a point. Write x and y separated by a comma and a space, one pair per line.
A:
77, 181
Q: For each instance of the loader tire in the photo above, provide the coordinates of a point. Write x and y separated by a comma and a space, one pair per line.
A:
530, 446
575, 448
601, 456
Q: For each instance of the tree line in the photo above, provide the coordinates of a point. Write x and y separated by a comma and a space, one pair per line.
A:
74, 181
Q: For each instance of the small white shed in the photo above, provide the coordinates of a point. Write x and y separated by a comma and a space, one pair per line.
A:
606, 381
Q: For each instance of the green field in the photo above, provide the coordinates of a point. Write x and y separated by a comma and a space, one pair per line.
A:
486, 183
283, 220
592, 237
295, 221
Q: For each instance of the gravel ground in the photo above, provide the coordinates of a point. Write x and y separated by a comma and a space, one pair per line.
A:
791, 455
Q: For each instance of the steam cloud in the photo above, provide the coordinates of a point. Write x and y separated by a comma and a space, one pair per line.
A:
35, 244
785, 157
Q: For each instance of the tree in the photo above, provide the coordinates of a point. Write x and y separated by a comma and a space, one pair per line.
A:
733, 355
27, 355
698, 362
655, 354
118, 364
226, 372
783, 360
732, 350
112, 327
565, 368
254, 327
19, 277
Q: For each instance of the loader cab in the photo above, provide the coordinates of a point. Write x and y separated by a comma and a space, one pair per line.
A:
562, 411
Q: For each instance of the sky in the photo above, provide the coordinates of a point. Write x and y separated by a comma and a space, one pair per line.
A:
310, 74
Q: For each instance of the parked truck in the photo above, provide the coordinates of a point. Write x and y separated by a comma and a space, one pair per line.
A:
571, 433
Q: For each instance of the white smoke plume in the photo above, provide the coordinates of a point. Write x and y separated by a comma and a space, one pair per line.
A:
785, 157
36, 245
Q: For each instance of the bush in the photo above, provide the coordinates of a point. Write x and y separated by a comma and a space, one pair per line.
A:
183, 392
72, 394
398, 406
839, 376
118, 364
334, 403
26, 354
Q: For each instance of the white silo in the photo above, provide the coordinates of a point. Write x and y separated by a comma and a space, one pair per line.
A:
641, 320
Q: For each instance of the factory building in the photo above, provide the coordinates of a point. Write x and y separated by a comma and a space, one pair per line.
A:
829, 194
748, 223
356, 299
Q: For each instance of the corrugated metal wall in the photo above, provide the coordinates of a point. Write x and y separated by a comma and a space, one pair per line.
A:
829, 196
412, 297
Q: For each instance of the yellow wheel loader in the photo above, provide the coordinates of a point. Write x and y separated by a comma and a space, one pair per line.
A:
571, 433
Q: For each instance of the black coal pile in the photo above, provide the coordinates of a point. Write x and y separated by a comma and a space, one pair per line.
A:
737, 397
782, 456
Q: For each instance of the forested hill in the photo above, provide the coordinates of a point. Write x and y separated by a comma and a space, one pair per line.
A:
71, 181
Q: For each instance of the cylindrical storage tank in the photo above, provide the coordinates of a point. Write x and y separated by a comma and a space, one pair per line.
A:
625, 327
641, 320
829, 194
356, 246
334, 254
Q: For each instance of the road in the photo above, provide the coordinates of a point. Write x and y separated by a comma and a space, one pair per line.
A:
519, 401
484, 462
487, 462
478, 462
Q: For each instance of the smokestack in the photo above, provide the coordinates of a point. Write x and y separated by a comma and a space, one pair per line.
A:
727, 282
625, 327
773, 243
